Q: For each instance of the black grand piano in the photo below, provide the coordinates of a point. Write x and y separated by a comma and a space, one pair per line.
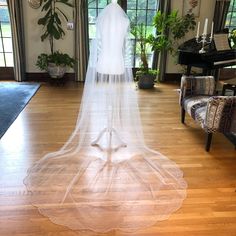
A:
210, 61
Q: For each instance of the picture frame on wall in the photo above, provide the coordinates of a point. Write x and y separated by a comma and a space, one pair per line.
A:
191, 6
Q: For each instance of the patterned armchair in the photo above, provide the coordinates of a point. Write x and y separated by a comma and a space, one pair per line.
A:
213, 113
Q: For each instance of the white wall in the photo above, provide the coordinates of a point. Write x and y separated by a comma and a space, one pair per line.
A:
206, 11
33, 31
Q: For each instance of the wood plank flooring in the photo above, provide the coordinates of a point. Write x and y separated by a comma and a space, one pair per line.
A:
48, 120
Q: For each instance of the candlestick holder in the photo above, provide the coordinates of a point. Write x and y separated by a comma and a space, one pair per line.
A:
203, 40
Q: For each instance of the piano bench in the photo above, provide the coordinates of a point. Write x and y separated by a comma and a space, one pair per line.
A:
212, 113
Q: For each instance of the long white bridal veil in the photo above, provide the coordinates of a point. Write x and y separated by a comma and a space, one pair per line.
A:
104, 177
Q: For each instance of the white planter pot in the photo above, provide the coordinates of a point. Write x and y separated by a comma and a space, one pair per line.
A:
56, 71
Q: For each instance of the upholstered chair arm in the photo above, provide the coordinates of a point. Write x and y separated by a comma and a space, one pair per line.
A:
220, 114
196, 85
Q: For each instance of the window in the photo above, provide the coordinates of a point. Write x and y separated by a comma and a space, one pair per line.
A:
6, 52
231, 19
138, 11
231, 16
141, 11
94, 7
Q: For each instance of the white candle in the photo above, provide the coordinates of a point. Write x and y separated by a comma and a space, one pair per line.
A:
198, 28
212, 27
205, 27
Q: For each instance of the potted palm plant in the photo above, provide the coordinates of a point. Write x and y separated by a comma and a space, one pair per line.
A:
144, 75
56, 62
169, 28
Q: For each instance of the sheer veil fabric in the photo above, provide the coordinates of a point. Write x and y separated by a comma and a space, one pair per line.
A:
104, 177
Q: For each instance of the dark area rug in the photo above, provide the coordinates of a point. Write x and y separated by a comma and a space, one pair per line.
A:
13, 98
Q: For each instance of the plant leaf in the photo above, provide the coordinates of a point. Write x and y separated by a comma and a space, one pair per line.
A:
47, 5
62, 13
42, 21
57, 19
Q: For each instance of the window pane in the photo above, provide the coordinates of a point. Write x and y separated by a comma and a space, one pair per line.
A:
92, 15
99, 10
2, 63
7, 42
233, 20
141, 16
150, 30
148, 49
152, 4
132, 15
149, 57
92, 3
227, 23
132, 45
142, 4
4, 15
102, 3
1, 48
6, 29
138, 48
92, 31
131, 4
231, 16
137, 61
150, 15
232, 6
9, 59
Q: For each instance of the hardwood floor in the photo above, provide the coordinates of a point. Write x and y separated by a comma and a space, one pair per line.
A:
48, 120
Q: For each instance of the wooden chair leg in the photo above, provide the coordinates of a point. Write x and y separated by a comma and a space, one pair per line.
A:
208, 142
182, 115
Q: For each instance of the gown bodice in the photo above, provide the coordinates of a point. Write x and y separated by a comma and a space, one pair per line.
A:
112, 41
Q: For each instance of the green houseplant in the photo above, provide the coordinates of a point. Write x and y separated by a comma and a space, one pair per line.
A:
145, 76
169, 29
56, 62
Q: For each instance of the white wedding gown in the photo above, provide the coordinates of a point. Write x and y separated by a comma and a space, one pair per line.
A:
105, 177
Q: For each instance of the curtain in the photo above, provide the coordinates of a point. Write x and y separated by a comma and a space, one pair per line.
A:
220, 14
17, 23
155, 54
123, 4
159, 58
81, 39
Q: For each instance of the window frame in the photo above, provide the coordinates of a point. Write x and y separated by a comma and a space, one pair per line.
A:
4, 52
231, 13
